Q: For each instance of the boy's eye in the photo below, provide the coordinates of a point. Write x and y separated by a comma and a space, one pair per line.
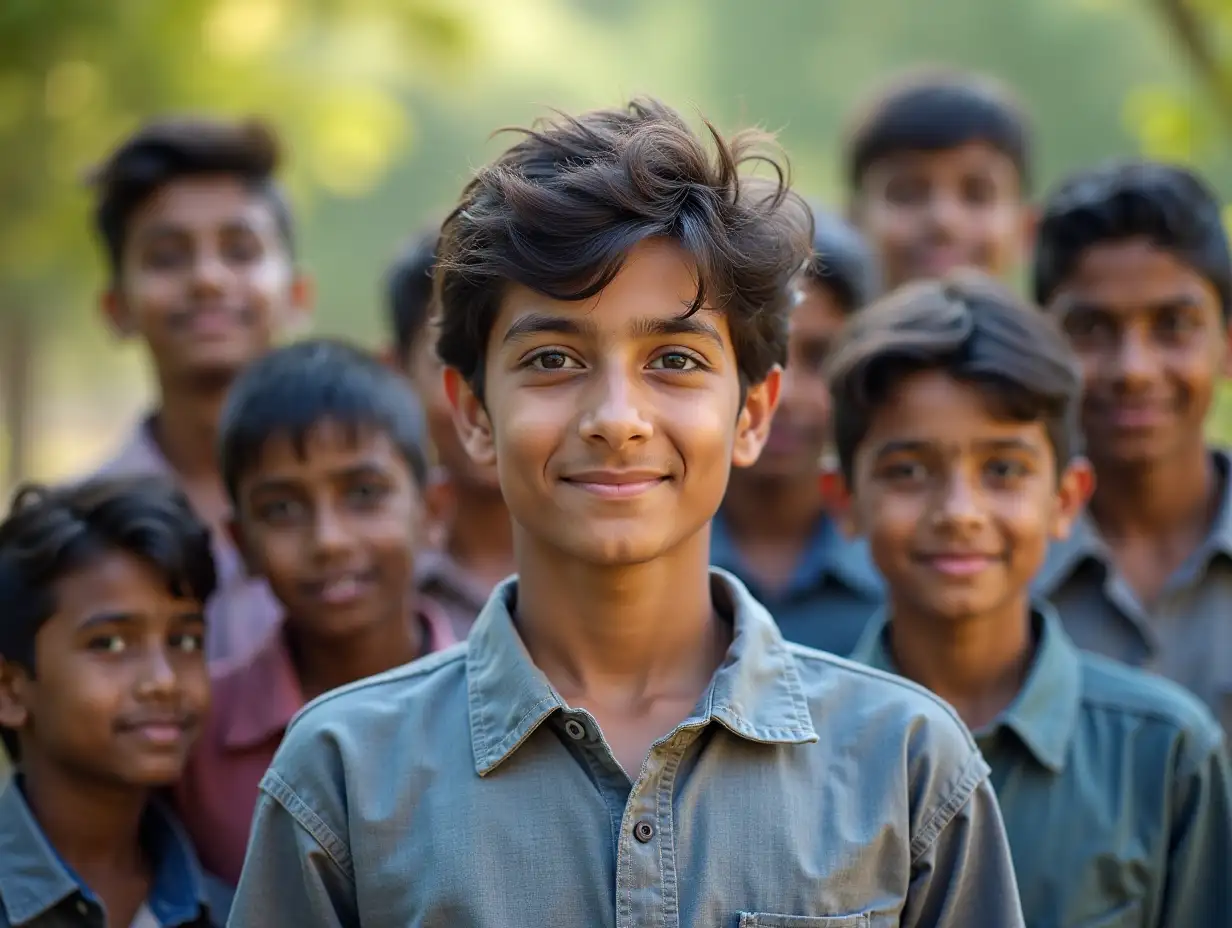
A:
189, 642
906, 471
367, 493
1173, 324
108, 644
553, 361
1005, 469
675, 361
278, 510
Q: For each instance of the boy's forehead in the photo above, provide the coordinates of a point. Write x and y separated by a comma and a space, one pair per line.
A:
1132, 272
108, 580
329, 443
205, 202
931, 407
972, 156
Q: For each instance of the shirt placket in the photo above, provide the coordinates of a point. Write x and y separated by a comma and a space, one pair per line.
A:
647, 888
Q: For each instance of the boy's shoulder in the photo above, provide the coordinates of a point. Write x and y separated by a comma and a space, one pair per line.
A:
1146, 699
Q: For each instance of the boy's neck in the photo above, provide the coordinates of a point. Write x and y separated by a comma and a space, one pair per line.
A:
1171, 498
480, 535
185, 427
95, 828
978, 665
326, 663
624, 636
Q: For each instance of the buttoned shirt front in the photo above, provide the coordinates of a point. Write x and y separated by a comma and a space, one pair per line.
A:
832, 593
461, 791
38, 890
1115, 789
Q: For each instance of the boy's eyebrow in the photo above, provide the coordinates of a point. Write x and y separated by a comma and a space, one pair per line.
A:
108, 618
902, 446
908, 446
645, 327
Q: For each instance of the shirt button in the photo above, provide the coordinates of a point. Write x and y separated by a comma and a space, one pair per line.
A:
643, 830
575, 729
82, 908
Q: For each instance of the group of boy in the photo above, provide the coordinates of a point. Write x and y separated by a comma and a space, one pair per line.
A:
651, 722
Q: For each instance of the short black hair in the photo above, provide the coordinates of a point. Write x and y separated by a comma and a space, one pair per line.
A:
935, 109
51, 532
293, 389
974, 330
560, 210
408, 290
1170, 206
842, 262
167, 150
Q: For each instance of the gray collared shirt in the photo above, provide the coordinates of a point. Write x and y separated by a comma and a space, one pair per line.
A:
1115, 789
461, 792
243, 613
38, 890
832, 593
1185, 636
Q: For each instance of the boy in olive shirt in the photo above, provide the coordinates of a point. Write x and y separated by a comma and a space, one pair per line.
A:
954, 420
625, 738
1133, 262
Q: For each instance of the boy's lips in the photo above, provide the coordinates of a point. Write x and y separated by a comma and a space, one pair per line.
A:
159, 730
341, 589
965, 564
616, 484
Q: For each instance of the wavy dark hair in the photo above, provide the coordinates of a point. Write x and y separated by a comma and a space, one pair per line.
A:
972, 329
167, 150
560, 210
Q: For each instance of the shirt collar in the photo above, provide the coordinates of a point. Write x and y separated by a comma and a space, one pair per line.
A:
256, 700
34, 879
1085, 543
1044, 714
435, 570
756, 693
828, 554
140, 454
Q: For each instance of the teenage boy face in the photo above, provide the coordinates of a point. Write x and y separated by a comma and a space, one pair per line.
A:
928, 212
801, 424
958, 504
426, 374
120, 686
1153, 343
206, 279
332, 524
614, 422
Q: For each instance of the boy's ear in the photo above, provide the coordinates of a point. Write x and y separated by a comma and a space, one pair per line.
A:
470, 419
1073, 490
13, 696
756, 416
1227, 348
1029, 223
115, 313
302, 303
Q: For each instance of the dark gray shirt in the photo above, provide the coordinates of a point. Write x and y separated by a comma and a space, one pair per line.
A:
1115, 789
461, 792
830, 596
1185, 636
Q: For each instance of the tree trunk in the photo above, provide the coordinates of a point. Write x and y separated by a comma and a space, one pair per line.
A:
17, 344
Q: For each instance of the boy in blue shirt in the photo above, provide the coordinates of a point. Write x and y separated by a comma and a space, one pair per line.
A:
103, 688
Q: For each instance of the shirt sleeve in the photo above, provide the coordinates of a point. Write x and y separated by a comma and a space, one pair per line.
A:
293, 876
965, 875
1197, 889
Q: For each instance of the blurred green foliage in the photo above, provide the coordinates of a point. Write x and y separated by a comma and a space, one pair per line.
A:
386, 105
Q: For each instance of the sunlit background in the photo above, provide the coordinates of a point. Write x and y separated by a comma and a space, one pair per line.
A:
386, 105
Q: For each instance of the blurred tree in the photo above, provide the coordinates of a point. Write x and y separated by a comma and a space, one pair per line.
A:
77, 74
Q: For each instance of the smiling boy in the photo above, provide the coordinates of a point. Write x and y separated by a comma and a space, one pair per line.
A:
955, 424
321, 451
1133, 261
938, 168
103, 689
198, 239
625, 739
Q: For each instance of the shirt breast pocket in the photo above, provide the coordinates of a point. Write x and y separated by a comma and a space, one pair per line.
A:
761, 920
